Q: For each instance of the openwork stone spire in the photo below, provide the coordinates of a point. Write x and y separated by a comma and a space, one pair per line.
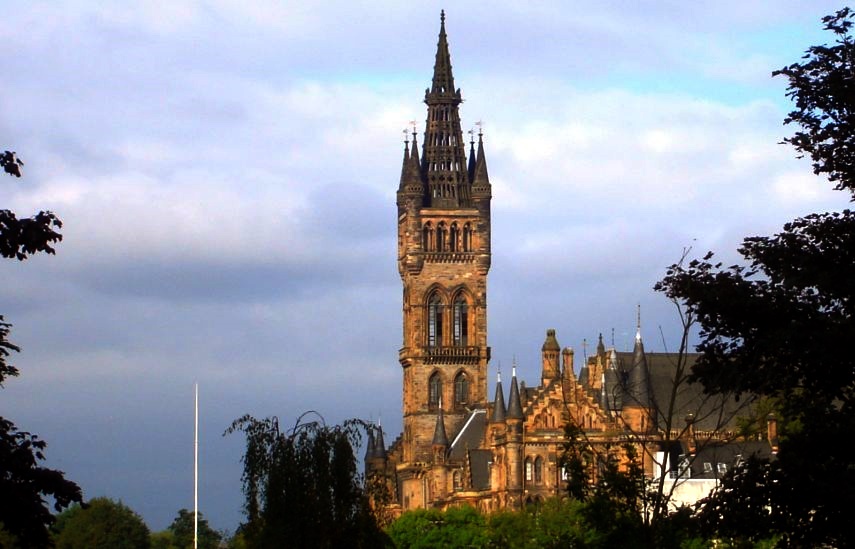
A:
444, 159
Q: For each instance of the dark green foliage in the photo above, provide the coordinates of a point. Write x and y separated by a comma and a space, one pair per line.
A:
302, 488
24, 484
782, 327
823, 89
21, 237
101, 524
427, 528
6, 347
179, 535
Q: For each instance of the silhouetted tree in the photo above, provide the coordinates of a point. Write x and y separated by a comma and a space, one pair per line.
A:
101, 524
179, 535
783, 325
302, 487
24, 483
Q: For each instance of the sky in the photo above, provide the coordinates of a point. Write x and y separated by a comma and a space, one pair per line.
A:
226, 175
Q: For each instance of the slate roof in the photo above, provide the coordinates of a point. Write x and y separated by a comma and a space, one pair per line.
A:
471, 435
708, 411
479, 468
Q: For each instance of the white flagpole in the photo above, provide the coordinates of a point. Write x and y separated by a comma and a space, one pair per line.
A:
196, 475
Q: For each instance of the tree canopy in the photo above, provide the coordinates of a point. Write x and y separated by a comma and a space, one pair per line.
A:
781, 325
101, 524
302, 487
24, 483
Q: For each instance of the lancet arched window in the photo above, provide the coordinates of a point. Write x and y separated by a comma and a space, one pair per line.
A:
453, 236
427, 237
434, 321
458, 481
461, 389
460, 314
467, 238
538, 470
529, 470
434, 391
441, 231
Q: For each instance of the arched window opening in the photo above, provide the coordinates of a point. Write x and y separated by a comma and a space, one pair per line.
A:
529, 470
434, 391
427, 237
458, 481
461, 389
467, 238
434, 321
461, 322
453, 236
538, 470
440, 237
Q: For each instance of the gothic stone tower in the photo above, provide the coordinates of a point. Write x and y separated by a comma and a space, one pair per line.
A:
443, 259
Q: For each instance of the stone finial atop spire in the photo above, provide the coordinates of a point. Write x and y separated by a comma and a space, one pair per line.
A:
601, 348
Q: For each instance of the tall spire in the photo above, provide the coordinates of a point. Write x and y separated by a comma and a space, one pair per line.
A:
439, 436
480, 180
638, 379
405, 165
514, 404
444, 159
499, 402
443, 80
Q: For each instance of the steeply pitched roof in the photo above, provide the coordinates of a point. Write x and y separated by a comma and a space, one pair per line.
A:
479, 468
471, 435
711, 412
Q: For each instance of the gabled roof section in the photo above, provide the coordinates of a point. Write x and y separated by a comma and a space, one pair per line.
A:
471, 435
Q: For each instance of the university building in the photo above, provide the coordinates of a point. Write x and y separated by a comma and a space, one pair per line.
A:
460, 447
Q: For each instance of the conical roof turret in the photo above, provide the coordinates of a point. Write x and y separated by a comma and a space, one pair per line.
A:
369, 445
480, 179
638, 377
379, 443
405, 167
439, 436
499, 402
514, 404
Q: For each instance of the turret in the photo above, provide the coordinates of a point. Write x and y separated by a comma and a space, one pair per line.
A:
637, 404
567, 364
612, 389
440, 439
549, 357
498, 402
514, 420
